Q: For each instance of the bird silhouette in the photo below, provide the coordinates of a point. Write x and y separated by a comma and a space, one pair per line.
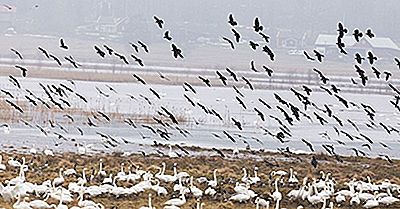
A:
62, 44
158, 21
144, 46
357, 34
205, 80
229, 41
358, 58
109, 49
17, 53
176, 51
23, 70
236, 35
134, 46
310, 146
46, 54
247, 82
232, 74
269, 52
252, 67
253, 45
167, 36
318, 55
341, 30
308, 56
237, 123
371, 58
137, 60
369, 33
139, 79
268, 70
323, 78
231, 20
100, 52
257, 25
72, 61
221, 77
265, 37
314, 162
121, 57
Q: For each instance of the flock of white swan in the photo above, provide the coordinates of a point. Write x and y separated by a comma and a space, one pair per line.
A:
77, 187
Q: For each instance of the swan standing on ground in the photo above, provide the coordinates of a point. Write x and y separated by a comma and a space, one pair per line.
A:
60, 179
101, 172
255, 179
171, 154
277, 195
213, 183
292, 178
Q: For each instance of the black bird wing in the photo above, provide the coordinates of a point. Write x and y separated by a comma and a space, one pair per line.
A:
17, 53
236, 34
229, 41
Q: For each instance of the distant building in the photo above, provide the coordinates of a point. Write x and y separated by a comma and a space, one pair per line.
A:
383, 47
286, 39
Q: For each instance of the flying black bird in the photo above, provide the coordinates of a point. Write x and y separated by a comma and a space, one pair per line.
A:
397, 62
158, 21
341, 46
7, 93
265, 37
253, 45
369, 33
357, 34
341, 30
155, 93
342, 100
308, 56
137, 60
314, 162
241, 102
144, 46
219, 152
15, 106
221, 77
308, 144
55, 59
100, 52
72, 61
229, 136
139, 79
237, 123
135, 47
318, 55
189, 86
205, 80
269, 52
248, 83
23, 70
81, 97
321, 120
268, 70
257, 25
109, 49
252, 67
189, 100
358, 58
236, 34
387, 75
387, 158
17, 53
371, 58
167, 36
176, 51
14, 81
237, 91
44, 52
307, 90
231, 73
259, 113
322, 76
230, 42
62, 44
335, 88
121, 57
231, 20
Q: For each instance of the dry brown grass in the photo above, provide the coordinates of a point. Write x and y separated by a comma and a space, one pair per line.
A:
229, 170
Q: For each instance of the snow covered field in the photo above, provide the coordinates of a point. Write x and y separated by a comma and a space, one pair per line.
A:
203, 127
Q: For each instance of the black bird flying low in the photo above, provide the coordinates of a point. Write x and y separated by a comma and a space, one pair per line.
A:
17, 53
167, 36
144, 46
236, 34
176, 51
23, 70
257, 25
62, 44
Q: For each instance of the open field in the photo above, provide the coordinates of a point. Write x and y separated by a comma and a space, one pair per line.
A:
43, 167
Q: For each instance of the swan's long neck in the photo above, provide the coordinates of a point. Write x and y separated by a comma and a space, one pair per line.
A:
163, 169
276, 185
191, 181
215, 176
244, 173
1, 158
258, 205
60, 173
175, 172
150, 201
101, 166
291, 173
255, 173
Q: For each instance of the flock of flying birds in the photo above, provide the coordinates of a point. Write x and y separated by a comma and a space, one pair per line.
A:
59, 95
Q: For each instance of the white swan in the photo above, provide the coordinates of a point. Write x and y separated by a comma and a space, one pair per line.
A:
60, 179
176, 201
171, 154
292, 178
101, 172
2, 166
195, 191
213, 183
255, 179
277, 195
240, 197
